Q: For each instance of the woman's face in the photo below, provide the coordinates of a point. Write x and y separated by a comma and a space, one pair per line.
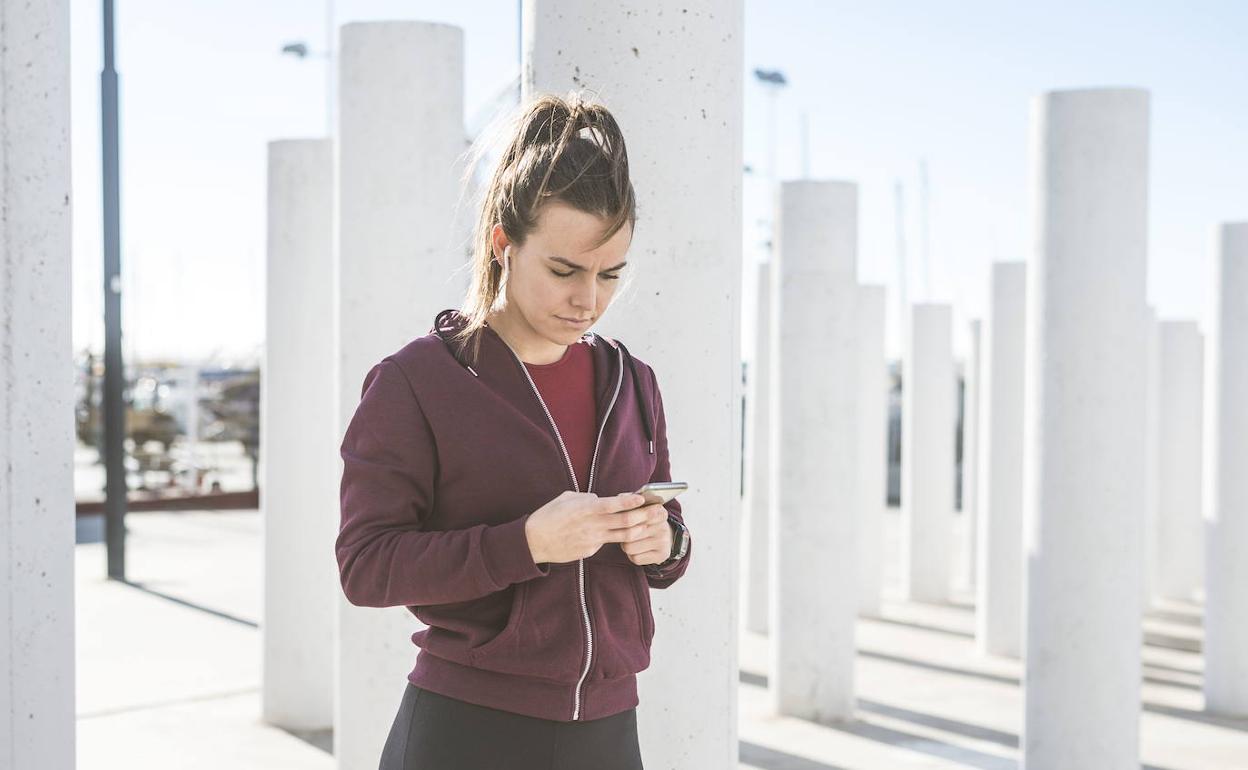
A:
560, 284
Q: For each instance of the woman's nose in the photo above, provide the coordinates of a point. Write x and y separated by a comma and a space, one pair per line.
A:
585, 296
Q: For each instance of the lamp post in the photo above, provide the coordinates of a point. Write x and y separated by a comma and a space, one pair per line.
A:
301, 50
114, 367
772, 81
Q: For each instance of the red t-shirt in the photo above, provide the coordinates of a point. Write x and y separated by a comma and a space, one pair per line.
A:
567, 387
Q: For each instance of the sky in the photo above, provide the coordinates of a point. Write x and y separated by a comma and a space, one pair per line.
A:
876, 91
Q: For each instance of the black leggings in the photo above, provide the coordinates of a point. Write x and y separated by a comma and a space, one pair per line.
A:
436, 732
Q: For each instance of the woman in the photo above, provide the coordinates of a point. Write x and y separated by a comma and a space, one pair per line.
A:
490, 472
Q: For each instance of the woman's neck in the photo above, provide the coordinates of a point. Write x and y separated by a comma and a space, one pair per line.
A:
531, 347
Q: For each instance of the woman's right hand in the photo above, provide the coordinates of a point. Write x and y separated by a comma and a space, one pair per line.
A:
575, 525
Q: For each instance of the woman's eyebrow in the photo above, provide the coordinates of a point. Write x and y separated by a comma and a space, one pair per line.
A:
575, 266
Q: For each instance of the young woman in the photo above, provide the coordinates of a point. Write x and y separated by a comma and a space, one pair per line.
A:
490, 472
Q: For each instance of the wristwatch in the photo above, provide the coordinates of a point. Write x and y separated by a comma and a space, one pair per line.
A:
680, 543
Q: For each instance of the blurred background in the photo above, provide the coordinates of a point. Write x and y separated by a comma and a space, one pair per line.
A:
925, 105
928, 107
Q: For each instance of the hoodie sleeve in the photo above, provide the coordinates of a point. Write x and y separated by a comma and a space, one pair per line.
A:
386, 556
662, 578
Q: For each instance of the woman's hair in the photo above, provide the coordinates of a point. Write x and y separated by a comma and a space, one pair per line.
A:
544, 158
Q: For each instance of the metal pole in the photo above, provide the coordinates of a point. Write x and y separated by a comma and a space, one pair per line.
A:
329, 68
806, 145
924, 232
114, 372
902, 267
772, 91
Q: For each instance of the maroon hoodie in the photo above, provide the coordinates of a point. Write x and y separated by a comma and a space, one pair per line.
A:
443, 463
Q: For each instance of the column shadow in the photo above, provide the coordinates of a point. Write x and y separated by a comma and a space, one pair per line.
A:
771, 759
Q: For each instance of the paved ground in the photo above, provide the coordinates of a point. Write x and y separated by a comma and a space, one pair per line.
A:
168, 667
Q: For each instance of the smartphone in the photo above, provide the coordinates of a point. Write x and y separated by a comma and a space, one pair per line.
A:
661, 491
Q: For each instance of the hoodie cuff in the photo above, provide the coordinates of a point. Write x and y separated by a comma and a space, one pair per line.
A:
508, 559
666, 567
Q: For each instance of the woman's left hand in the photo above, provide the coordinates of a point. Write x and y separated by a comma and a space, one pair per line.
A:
650, 541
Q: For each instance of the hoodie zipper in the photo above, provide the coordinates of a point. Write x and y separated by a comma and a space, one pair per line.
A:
580, 563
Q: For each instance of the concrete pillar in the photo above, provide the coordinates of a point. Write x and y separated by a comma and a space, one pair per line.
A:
673, 79
1084, 415
872, 437
814, 330
298, 427
188, 384
36, 391
999, 592
1152, 449
1226, 483
971, 397
758, 464
1179, 523
928, 432
400, 129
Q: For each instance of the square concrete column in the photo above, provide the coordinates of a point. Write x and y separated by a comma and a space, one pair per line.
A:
36, 391
928, 433
298, 432
1152, 449
1180, 535
999, 593
400, 131
873, 386
1084, 430
814, 539
754, 567
971, 397
1225, 481
672, 77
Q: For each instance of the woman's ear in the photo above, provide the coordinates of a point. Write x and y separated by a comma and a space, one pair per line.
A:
499, 244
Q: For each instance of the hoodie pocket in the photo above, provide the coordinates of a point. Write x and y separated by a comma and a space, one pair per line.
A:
622, 625
642, 587
543, 636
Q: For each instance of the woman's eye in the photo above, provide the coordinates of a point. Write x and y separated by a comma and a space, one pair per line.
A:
565, 275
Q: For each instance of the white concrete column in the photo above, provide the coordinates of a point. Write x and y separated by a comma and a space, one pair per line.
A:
928, 433
754, 550
872, 439
1226, 483
1084, 425
298, 428
673, 79
814, 567
999, 593
1152, 378
1180, 536
400, 129
36, 391
971, 397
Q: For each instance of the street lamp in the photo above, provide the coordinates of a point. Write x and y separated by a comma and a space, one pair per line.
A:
300, 49
772, 81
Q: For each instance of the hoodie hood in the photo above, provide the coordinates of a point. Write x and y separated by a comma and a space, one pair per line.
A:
450, 321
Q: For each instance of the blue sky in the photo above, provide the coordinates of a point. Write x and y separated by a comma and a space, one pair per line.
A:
883, 86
